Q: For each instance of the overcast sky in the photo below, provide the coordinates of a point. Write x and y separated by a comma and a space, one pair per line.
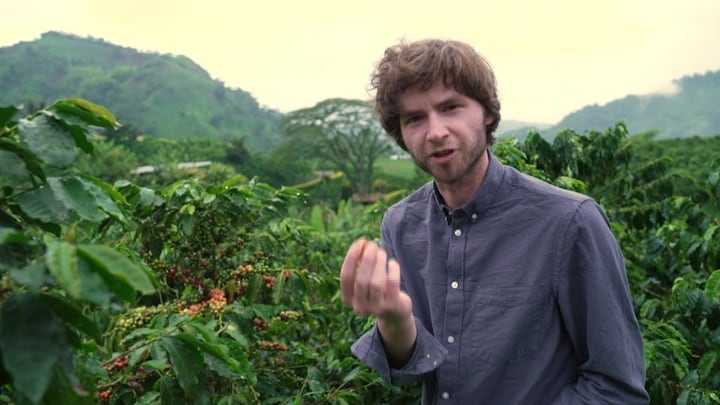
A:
551, 57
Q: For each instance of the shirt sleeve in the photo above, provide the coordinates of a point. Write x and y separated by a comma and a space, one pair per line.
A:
427, 355
596, 306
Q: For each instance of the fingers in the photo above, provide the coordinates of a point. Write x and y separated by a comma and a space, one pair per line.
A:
376, 283
392, 286
348, 269
368, 282
364, 279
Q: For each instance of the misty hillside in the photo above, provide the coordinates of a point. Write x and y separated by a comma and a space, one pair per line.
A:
158, 94
692, 110
171, 96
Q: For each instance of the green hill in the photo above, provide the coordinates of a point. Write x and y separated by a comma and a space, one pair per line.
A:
690, 111
518, 129
159, 94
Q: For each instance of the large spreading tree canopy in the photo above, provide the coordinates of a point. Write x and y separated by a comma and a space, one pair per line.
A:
343, 134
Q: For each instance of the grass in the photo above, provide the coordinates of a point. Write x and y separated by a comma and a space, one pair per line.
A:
401, 168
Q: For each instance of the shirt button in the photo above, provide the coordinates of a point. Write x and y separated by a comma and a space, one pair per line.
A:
445, 395
451, 339
473, 217
458, 232
454, 284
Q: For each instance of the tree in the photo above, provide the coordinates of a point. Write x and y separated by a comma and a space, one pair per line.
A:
344, 134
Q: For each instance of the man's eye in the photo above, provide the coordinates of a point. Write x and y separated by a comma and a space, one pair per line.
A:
411, 119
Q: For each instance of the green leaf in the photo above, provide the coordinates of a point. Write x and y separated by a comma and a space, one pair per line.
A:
72, 315
155, 364
105, 197
119, 273
138, 261
88, 112
42, 205
710, 232
31, 338
32, 163
352, 374
33, 276
95, 288
75, 275
96, 270
712, 286
253, 288
216, 356
683, 398
48, 141
106, 188
205, 333
186, 361
62, 261
233, 181
13, 167
6, 114
11, 235
233, 332
278, 288
706, 364
145, 333
158, 353
150, 398
78, 196
66, 388
79, 134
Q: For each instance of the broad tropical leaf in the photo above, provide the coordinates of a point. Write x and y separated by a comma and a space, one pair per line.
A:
89, 113
72, 315
31, 338
121, 274
186, 361
48, 140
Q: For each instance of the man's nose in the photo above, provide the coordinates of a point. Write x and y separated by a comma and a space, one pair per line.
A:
437, 128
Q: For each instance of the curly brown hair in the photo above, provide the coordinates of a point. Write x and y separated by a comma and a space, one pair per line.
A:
422, 63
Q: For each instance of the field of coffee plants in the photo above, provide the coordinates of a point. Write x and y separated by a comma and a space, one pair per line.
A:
228, 294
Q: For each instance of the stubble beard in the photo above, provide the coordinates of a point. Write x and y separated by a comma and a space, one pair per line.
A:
456, 174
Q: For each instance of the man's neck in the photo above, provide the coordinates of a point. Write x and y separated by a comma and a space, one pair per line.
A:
459, 193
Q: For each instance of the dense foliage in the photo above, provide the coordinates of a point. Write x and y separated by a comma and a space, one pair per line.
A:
201, 292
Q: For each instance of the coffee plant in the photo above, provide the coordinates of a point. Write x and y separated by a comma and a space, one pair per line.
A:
56, 273
227, 293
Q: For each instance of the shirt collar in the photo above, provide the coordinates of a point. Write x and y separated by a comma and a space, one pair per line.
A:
482, 199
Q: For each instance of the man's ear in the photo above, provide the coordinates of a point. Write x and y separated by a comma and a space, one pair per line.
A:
489, 119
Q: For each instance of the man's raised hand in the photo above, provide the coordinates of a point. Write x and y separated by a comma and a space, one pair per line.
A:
371, 285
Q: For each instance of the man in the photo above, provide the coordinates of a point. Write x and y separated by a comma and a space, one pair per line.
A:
513, 291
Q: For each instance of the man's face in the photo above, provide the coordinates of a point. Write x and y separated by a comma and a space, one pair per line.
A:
444, 131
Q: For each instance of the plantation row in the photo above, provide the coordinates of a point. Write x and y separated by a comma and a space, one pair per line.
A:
227, 293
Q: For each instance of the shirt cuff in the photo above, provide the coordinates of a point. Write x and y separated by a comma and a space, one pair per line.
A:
427, 356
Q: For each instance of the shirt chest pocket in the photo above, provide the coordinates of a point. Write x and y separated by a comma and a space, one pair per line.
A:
504, 324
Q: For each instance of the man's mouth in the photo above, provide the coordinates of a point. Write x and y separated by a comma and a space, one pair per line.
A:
442, 153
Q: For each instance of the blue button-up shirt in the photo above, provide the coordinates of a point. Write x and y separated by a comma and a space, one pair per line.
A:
520, 297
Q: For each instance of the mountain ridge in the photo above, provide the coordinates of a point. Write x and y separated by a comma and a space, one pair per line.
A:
690, 110
168, 95
160, 94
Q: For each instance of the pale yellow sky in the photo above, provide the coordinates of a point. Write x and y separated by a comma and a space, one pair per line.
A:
551, 57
